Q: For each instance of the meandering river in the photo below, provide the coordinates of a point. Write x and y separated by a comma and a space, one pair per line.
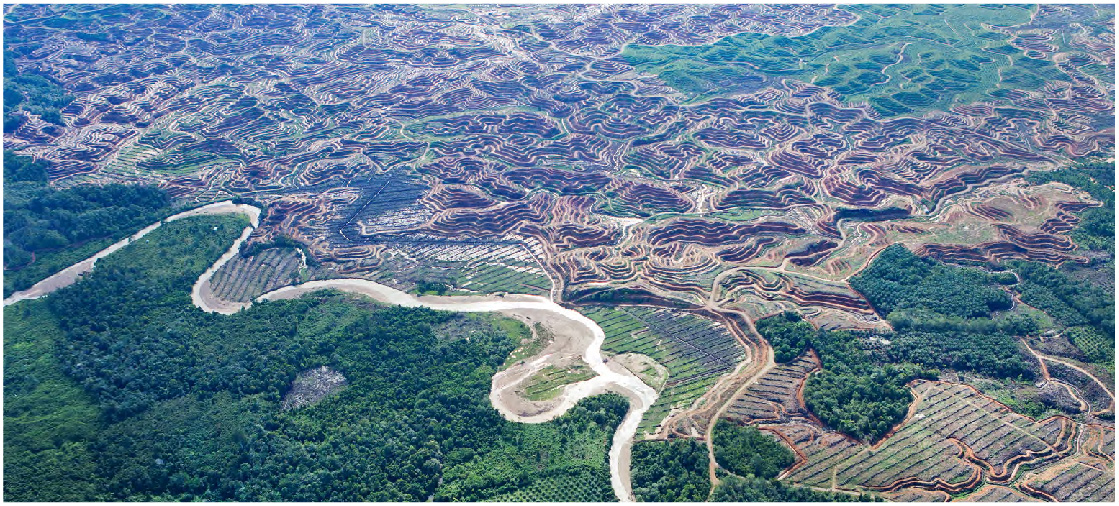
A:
615, 379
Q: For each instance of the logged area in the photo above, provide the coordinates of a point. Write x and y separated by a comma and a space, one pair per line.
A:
570, 253
205, 402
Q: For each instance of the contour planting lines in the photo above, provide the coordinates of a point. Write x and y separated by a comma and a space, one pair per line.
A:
672, 172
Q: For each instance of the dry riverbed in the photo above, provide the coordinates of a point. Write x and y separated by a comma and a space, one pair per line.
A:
574, 338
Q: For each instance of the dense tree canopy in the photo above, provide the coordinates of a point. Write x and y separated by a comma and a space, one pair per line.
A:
18, 169
755, 489
149, 398
749, 451
670, 471
942, 314
46, 230
1087, 310
899, 280
788, 334
30, 93
852, 394
993, 354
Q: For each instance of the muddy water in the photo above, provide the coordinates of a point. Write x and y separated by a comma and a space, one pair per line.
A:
70, 275
615, 379
641, 396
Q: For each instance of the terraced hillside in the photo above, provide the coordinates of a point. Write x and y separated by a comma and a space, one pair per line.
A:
403, 143
674, 172
954, 440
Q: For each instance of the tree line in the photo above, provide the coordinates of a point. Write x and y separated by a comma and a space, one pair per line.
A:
46, 230
30, 93
123, 390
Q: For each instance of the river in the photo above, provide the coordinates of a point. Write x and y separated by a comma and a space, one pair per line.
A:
610, 377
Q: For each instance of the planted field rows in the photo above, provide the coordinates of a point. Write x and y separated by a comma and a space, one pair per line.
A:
1099, 442
996, 493
1086, 387
385, 205
589, 485
244, 279
508, 268
475, 266
997, 436
917, 495
782, 286
954, 438
774, 395
435, 129
695, 350
1080, 482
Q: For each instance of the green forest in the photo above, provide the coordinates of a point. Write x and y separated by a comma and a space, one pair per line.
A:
898, 280
118, 388
944, 317
47, 230
670, 471
749, 451
33, 93
901, 59
1096, 230
854, 393
1080, 298
1086, 311
677, 470
756, 489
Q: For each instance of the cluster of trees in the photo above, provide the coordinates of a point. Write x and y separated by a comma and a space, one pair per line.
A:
278, 242
23, 169
1088, 311
942, 314
26, 92
993, 354
854, 393
900, 280
748, 451
788, 334
757, 489
45, 228
676, 470
1013, 324
49, 420
1096, 176
670, 471
1085, 310
943, 317
149, 398
432, 287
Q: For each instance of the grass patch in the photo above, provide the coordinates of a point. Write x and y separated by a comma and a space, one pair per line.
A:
530, 342
548, 382
901, 59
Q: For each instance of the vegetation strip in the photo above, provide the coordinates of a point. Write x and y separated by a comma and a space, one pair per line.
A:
641, 395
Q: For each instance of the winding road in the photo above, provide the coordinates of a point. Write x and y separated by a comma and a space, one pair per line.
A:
613, 379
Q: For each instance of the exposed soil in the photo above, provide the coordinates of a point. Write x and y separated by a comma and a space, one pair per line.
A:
311, 386
574, 335
650, 372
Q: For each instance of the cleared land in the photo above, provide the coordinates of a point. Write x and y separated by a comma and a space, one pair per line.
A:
674, 173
